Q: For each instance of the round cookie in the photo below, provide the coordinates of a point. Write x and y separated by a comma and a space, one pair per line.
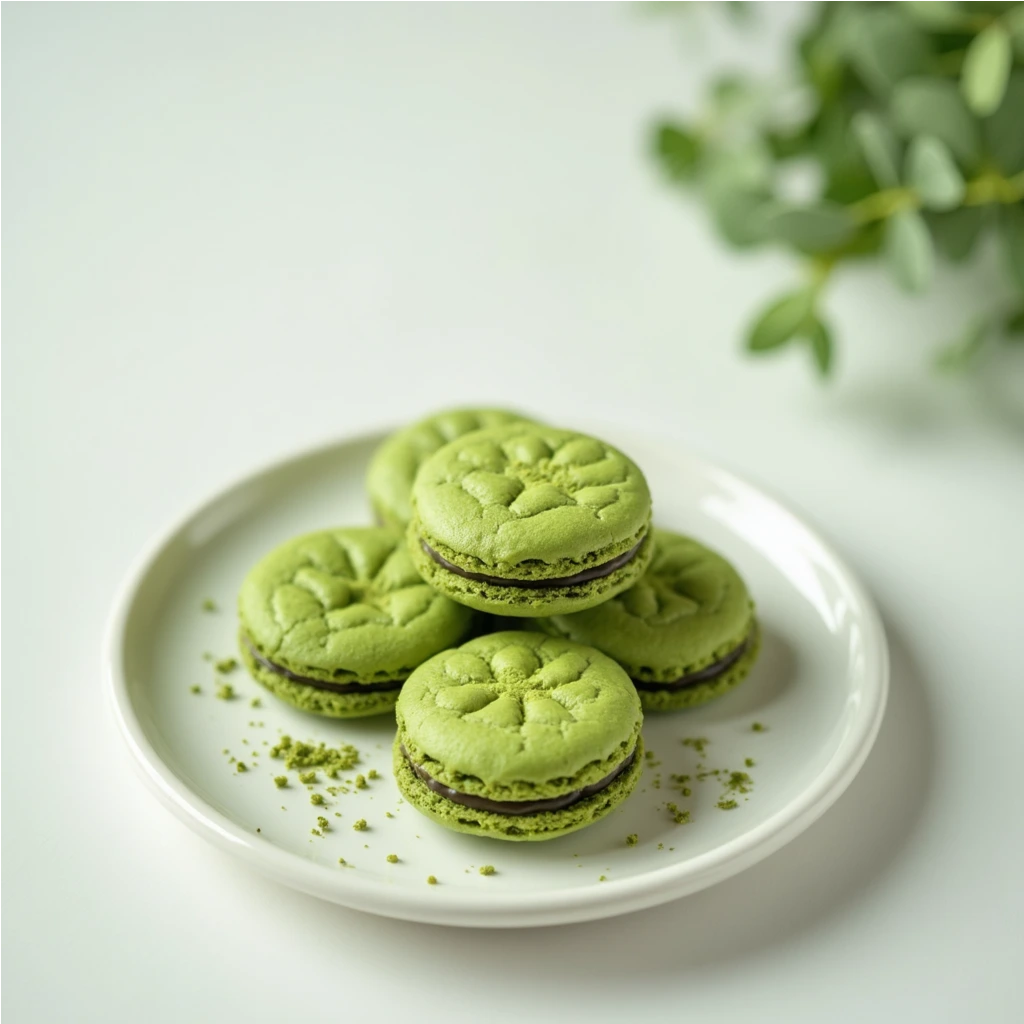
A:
394, 464
518, 736
685, 633
334, 621
529, 520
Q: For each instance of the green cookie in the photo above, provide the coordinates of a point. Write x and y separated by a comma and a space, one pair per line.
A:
333, 622
528, 520
394, 464
685, 632
518, 736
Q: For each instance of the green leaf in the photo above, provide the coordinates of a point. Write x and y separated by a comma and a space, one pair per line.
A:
933, 173
956, 232
940, 15
910, 251
820, 340
816, 228
1014, 324
884, 47
1014, 21
781, 321
881, 150
934, 106
1003, 131
678, 150
1011, 224
986, 69
962, 352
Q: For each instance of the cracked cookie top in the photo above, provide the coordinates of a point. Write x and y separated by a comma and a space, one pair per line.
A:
527, 492
347, 604
520, 707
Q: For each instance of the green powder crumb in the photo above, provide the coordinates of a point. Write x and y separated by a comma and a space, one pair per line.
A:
727, 805
305, 777
360, 782
431, 880
343, 862
487, 869
245, 741
207, 656
330, 760
392, 858
323, 823
360, 825
280, 781
661, 846
632, 839
739, 782
225, 751
758, 727
373, 774
316, 799
225, 665
388, 814
209, 605
225, 692
256, 703
698, 743
241, 767
316, 832
195, 688
603, 878
749, 762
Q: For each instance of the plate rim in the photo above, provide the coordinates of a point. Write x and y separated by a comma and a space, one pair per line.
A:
495, 909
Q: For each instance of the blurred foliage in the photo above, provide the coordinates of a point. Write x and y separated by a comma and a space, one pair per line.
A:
906, 128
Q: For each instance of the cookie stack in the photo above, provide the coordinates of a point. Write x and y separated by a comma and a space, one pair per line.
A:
491, 520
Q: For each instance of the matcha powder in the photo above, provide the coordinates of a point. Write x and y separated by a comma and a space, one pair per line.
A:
330, 760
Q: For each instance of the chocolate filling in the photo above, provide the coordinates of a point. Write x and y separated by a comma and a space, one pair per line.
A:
595, 573
390, 684
481, 803
702, 675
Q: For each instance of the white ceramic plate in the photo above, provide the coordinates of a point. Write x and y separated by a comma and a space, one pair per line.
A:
819, 688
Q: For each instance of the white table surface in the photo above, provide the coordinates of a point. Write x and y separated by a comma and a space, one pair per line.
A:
232, 230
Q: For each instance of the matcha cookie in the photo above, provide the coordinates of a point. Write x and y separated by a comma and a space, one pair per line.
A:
518, 736
527, 520
685, 633
394, 464
333, 622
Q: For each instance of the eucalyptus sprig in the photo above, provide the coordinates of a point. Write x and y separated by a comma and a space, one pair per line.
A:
909, 119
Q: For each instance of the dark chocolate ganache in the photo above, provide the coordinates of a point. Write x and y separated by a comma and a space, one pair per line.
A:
320, 684
703, 675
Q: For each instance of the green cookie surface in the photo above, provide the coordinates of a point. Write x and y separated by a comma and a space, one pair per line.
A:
343, 606
393, 467
519, 602
690, 610
313, 699
525, 827
519, 716
525, 501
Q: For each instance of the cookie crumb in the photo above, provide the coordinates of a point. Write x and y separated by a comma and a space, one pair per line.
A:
209, 605
256, 703
487, 869
225, 692
280, 781
343, 862
323, 823
431, 880
195, 688
306, 777
603, 878
388, 814
758, 727
259, 830
316, 799
697, 743
682, 818
225, 665
373, 774
632, 839
392, 858
360, 825
726, 805
360, 782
